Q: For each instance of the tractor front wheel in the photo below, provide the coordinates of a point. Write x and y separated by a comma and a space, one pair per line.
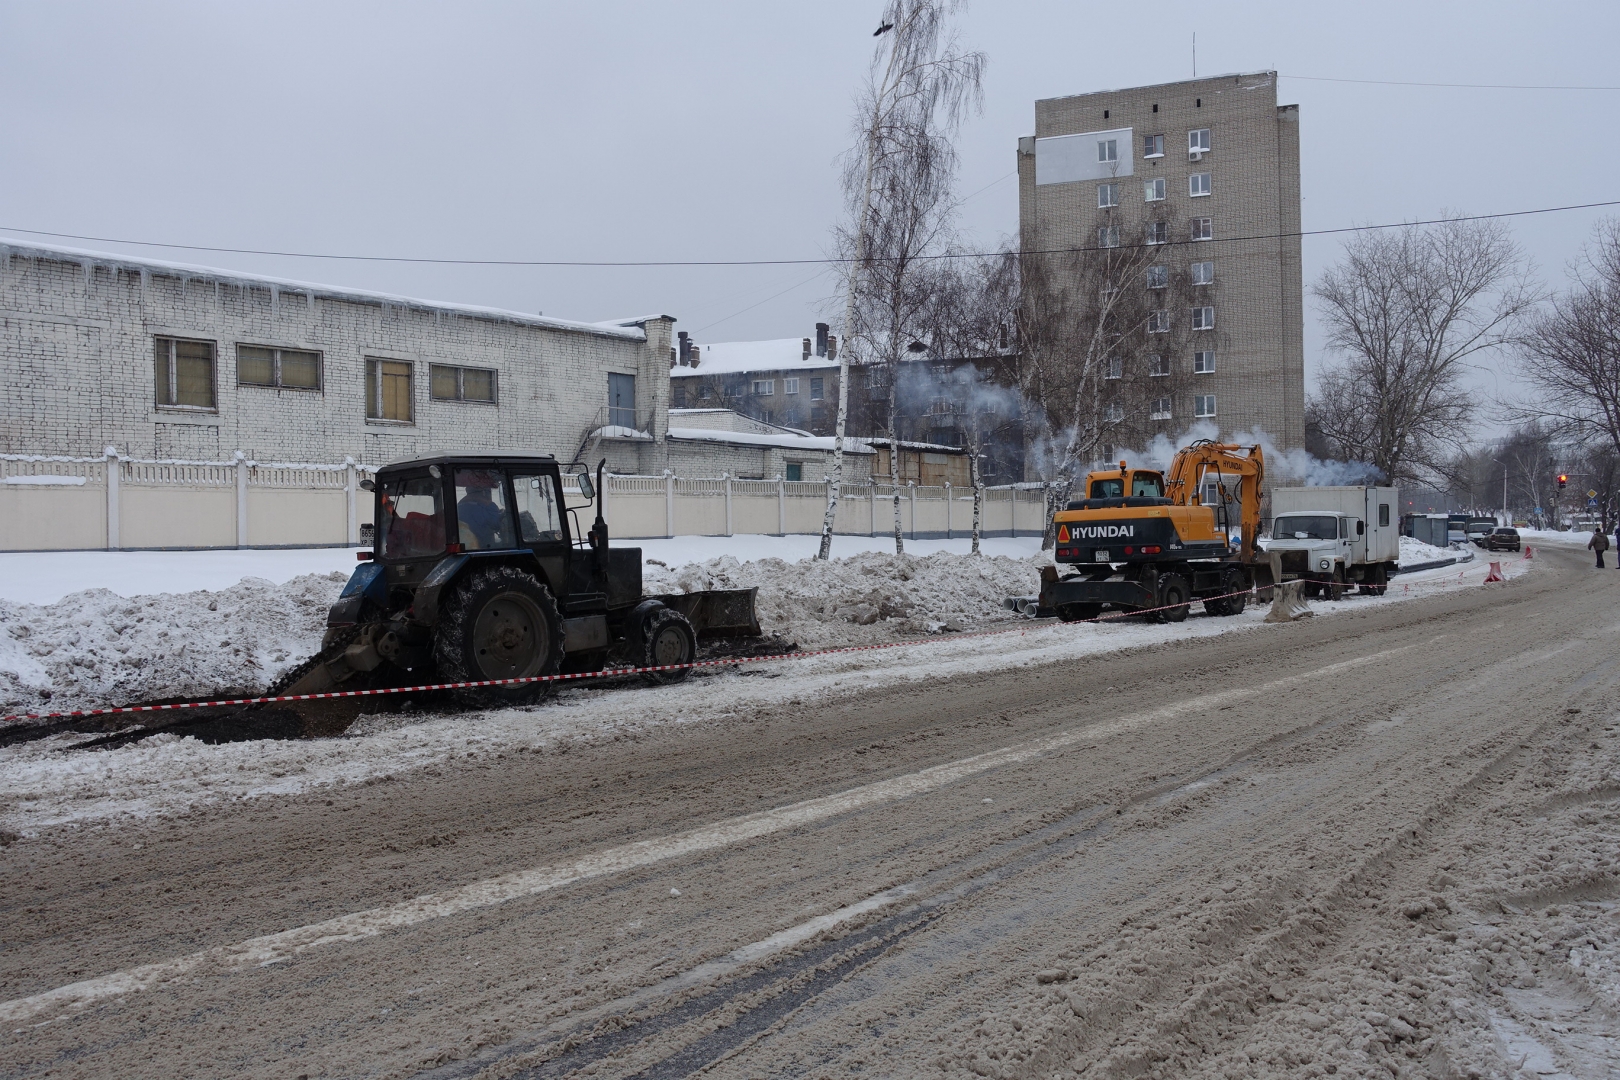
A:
1174, 598
667, 641
500, 623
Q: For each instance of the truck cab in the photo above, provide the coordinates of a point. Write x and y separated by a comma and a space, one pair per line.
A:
1318, 546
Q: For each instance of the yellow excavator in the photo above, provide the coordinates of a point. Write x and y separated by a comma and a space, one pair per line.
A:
1140, 540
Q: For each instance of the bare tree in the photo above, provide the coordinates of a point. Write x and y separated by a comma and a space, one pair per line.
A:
1570, 354
1102, 342
1409, 311
897, 183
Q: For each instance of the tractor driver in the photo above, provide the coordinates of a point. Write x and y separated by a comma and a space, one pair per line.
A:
479, 510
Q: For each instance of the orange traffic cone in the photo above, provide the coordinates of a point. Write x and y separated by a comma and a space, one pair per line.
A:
1495, 574
1528, 552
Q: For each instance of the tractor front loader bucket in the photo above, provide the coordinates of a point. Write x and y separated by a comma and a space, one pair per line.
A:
718, 612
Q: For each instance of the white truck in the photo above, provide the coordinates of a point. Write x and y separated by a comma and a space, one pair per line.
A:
1335, 537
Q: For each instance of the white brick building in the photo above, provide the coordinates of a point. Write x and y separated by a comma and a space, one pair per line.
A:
169, 361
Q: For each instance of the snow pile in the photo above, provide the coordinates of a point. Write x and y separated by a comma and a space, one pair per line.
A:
1415, 551
867, 597
96, 648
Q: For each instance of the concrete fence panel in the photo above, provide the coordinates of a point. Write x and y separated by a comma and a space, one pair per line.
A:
52, 504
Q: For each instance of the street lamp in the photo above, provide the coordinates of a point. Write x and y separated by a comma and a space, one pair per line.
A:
1507, 517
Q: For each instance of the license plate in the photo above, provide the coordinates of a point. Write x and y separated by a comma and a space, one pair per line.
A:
1101, 555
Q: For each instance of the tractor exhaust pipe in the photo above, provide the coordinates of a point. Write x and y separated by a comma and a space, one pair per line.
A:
599, 529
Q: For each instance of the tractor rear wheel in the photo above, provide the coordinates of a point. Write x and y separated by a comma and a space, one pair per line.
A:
1173, 598
667, 639
500, 623
1235, 590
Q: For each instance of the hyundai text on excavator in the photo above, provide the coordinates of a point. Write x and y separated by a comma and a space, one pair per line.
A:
1141, 540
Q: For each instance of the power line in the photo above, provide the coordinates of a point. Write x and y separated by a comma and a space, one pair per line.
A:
802, 262
1441, 85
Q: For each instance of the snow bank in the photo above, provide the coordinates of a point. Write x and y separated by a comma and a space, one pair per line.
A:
97, 648
1415, 551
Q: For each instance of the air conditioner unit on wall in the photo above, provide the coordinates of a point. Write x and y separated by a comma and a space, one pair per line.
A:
1196, 155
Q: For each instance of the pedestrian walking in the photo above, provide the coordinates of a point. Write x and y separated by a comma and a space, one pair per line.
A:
1599, 543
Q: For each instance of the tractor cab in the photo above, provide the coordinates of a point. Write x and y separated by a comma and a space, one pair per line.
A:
1109, 489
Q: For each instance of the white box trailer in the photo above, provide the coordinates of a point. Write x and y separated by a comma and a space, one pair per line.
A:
1335, 536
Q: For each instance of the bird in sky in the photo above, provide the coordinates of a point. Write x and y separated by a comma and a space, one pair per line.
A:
884, 29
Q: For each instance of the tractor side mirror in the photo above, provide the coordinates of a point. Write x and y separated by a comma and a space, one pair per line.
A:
1361, 527
586, 488
368, 485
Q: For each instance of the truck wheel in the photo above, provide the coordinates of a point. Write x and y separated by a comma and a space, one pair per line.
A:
1377, 580
500, 623
1173, 597
667, 639
1335, 588
1078, 612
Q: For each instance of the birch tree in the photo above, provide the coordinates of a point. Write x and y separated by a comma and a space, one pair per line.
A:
897, 183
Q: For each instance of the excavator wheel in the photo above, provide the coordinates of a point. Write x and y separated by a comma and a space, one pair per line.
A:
501, 623
1173, 597
1232, 582
1078, 612
667, 637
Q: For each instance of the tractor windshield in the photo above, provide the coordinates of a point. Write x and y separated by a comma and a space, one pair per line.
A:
412, 522
1112, 488
1306, 527
1148, 484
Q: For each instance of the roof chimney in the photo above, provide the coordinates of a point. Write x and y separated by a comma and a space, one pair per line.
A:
685, 348
806, 355
821, 339
831, 351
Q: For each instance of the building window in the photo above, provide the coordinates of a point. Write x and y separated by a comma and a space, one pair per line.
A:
815, 390
790, 386
795, 470
1161, 409
1115, 413
1203, 273
1108, 236
1158, 365
184, 373
703, 392
1203, 228
1204, 405
1153, 190
1198, 184
677, 395
388, 390
1114, 367
764, 387
1156, 232
1152, 146
622, 400
1158, 322
1158, 277
288, 369
1107, 195
447, 383
1198, 141
1203, 318
1204, 362
1107, 149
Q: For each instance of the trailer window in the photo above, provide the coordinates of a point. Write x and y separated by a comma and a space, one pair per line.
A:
1383, 514
1147, 485
412, 521
481, 516
536, 504
1306, 527
1108, 489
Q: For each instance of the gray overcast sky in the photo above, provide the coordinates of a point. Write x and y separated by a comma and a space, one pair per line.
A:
711, 131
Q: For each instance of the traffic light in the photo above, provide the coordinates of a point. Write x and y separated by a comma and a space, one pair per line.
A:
1563, 480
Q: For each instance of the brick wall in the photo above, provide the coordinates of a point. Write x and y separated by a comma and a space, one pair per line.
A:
77, 368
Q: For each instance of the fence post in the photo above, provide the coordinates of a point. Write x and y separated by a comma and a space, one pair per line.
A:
669, 504
241, 499
912, 484
727, 478
947, 509
871, 502
781, 506
1012, 508
352, 501
113, 470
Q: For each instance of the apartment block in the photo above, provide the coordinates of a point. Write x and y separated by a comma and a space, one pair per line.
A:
1209, 169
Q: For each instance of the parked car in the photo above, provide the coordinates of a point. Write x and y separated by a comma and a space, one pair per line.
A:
1455, 535
1479, 530
1502, 540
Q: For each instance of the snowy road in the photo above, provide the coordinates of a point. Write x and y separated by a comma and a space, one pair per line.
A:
1383, 842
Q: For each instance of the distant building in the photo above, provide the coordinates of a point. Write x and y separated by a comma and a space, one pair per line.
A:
1218, 158
169, 361
787, 381
722, 442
